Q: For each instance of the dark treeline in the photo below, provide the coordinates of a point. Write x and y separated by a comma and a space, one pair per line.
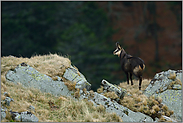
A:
80, 30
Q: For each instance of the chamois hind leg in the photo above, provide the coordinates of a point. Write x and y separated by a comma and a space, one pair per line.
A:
140, 82
127, 77
131, 78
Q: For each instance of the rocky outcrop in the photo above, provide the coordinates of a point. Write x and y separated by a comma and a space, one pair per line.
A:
168, 86
120, 92
74, 75
30, 77
126, 114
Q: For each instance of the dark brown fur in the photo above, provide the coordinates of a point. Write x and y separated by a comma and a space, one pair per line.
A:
130, 65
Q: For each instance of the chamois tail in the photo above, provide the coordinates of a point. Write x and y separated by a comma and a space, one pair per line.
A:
142, 66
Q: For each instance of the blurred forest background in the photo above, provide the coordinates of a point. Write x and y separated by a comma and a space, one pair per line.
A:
86, 32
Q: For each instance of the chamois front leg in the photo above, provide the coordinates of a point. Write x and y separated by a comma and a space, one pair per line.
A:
140, 82
127, 77
131, 78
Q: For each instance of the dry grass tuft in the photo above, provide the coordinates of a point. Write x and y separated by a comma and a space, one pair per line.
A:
77, 93
91, 93
176, 81
159, 99
85, 90
161, 119
100, 90
165, 108
156, 108
101, 108
171, 112
70, 85
111, 95
172, 76
61, 98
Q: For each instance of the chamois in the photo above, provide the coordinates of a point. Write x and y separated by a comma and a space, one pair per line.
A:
129, 64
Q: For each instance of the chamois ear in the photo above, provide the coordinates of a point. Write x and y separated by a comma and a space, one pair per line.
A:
118, 46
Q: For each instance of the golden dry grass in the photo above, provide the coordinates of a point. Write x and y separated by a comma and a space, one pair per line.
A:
172, 76
135, 87
51, 65
71, 110
68, 110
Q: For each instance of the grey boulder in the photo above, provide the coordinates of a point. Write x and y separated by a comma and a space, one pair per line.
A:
24, 117
7, 101
74, 75
28, 117
3, 113
120, 92
168, 86
30, 77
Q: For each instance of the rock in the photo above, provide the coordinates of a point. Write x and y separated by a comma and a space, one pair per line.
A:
7, 100
15, 116
172, 99
74, 75
3, 109
24, 117
3, 113
161, 82
169, 119
30, 77
59, 79
112, 106
177, 87
28, 117
167, 85
120, 92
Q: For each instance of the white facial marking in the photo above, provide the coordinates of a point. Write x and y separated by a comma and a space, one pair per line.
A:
116, 52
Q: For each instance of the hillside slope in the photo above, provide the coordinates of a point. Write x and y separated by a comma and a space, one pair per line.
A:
69, 110
65, 109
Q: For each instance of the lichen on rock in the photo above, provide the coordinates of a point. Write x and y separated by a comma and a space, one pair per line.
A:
72, 74
168, 86
30, 77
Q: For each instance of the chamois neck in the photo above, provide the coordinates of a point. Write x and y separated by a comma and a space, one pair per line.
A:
122, 54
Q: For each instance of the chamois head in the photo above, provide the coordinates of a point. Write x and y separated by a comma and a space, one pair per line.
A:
118, 50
